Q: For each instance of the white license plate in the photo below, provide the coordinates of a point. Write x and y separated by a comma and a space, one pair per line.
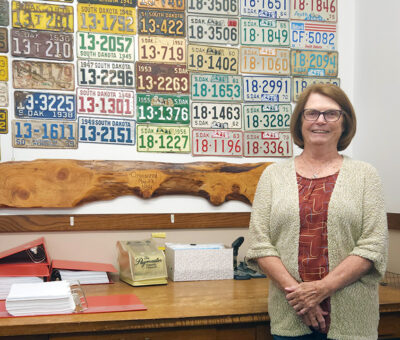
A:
299, 84
268, 144
105, 73
162, 49
266, 89
214, 30
216, 87
314, 10
44, 134
217, 143
3, 93
158, 138
313, 35
266, 116
219, 7
314, 63
203, 58
216, 115
264, 32
105, 102
106, 130
98, 46
274, 9
265, 60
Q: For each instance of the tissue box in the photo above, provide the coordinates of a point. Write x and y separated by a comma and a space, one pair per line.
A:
198, 262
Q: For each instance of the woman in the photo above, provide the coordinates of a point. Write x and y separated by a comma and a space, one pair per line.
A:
318, 228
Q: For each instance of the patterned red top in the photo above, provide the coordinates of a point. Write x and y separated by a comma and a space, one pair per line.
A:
314, 196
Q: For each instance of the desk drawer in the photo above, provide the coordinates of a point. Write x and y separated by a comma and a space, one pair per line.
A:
232, 332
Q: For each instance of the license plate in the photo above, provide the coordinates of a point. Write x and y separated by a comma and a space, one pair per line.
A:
41, 105
4, 13
105, 102
178, 5
216, 87
105, 73
266, 89
217, 143
314, 10
155, 138
3, 93
3, 121
313, 35
106, 19
3, 68
264, 60
213, 59
268, 144
264, 32
273, 9
267, 116
43, 75
44, 134
214, 30
106, 130
43, 45
97, 46
123, 3
216, 115
38, 16
162, 49
3, 40
219, 7
299, 84
165, 23
161, 78
314, 63
162, 108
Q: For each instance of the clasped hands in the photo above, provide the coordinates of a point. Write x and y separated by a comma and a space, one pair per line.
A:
305, 298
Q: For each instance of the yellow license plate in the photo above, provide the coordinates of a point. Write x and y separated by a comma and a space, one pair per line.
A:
264, 60
106, 19
178, 5
3, 68
213, 59
162, 49
38, 16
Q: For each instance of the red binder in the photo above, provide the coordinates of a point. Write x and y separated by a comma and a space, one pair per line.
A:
79, 265
28, 259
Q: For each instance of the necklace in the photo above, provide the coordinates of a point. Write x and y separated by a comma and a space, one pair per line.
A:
324, 169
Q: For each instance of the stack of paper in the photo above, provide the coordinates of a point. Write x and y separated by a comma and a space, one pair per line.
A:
42, 298
7, 281
84, 276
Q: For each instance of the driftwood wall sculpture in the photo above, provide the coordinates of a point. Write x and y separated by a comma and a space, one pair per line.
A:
69, 183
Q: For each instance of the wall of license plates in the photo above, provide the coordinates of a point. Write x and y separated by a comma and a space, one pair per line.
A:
199, 77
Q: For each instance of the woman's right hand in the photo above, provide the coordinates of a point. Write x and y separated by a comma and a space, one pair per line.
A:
315, 318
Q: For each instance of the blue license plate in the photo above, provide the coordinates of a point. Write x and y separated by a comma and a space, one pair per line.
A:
266, 89
106, 131
42, 105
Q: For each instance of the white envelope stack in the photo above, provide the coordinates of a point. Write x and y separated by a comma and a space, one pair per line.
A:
41, 298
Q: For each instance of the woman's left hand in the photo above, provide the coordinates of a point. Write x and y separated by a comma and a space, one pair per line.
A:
305, 296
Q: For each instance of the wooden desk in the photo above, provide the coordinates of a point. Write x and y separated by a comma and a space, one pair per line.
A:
226, 309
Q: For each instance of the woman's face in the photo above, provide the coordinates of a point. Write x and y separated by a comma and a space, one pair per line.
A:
320, 132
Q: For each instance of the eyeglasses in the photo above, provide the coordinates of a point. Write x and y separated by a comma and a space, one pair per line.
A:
329, 115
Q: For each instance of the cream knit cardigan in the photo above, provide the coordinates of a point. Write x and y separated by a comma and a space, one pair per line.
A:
356, 226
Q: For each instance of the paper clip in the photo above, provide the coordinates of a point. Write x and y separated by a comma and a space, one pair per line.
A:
79, 296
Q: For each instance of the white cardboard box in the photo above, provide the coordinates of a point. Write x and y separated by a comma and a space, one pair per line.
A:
199, 264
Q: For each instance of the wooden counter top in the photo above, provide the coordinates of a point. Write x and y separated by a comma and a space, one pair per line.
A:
178, 304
